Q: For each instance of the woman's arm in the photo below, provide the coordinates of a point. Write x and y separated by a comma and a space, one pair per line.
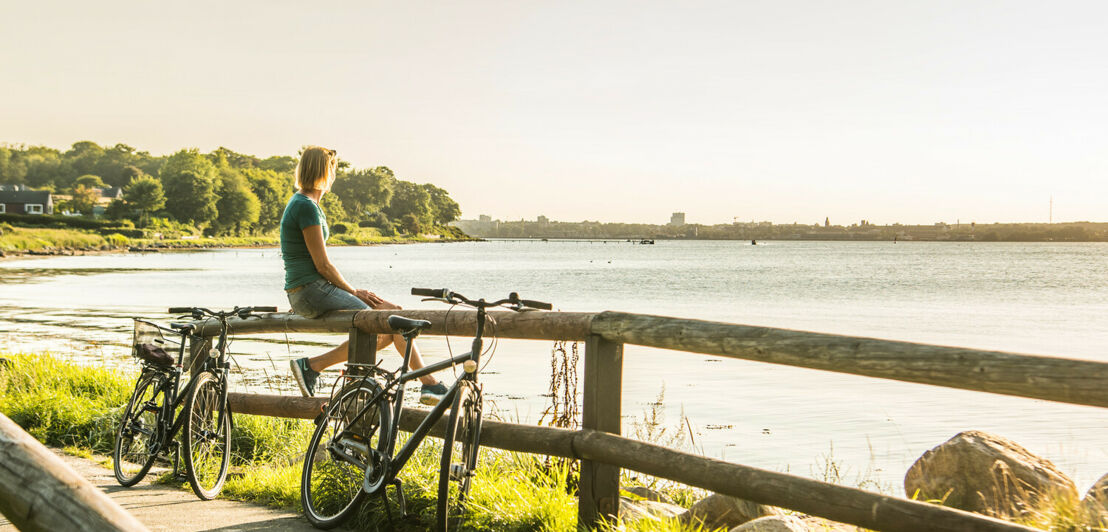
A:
313, 237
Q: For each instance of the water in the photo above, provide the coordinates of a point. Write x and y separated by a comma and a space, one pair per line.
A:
1037, 298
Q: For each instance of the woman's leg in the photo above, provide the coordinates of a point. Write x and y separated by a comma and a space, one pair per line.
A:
339, 355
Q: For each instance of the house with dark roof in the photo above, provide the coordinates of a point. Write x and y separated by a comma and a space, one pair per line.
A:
107, 195
18, 199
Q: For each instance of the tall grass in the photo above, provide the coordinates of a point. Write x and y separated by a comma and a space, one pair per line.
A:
26, 239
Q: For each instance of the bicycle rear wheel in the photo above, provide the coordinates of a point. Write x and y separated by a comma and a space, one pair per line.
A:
345, 449
459, 456
207, 436
137, 435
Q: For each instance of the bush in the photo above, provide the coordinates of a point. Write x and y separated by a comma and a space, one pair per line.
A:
117, 240
380, 221
51, 220
6, 228
122, 231
340, 228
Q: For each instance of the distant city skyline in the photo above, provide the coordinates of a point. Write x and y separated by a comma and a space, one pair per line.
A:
615, 111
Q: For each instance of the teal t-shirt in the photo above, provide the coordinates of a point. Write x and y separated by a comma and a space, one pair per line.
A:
300, 212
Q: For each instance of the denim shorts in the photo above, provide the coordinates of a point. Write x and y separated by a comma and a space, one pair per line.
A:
320, 296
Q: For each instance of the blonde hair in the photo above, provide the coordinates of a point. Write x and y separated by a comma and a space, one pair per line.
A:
316, 170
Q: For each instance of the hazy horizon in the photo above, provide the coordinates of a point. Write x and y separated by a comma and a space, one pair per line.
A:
615, 111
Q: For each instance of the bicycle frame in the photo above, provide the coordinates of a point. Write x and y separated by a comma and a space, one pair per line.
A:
170, 424
396, 464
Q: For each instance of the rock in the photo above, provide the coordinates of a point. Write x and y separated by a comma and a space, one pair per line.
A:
716, 511
648, 494
984, 473
773, 523
819, 524
1096, 500
632, 510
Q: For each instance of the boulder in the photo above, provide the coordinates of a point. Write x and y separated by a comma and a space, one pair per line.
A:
632, 510
987, 474
819, 524
1096, 500
648, 494
773, 523
722, 511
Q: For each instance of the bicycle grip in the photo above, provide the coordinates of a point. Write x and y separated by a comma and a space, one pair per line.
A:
536, 304
180, 310
430, 292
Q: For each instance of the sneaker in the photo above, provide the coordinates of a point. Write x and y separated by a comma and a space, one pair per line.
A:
431, 394
305, 376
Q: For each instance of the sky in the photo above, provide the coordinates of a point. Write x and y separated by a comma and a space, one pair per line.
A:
777, 110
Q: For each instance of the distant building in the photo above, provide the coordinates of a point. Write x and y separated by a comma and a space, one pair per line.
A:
677, 218
543, 220
483, 226
18, 199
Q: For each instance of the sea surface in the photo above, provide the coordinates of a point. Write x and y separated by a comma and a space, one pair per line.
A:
1041, 298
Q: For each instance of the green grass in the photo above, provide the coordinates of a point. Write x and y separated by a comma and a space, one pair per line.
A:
76, 407
27, 239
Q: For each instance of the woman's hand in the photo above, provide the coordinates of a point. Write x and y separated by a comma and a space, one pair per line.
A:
374, 301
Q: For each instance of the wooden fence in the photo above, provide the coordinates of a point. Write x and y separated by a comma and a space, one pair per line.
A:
39, 492
603, 452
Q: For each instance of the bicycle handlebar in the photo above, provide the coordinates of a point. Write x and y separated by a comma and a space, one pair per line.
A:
513, 301
241, 312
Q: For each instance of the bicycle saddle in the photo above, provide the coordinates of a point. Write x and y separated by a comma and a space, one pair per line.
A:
401, 324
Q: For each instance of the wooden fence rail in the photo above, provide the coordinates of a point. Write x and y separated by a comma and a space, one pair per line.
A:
39, 492
602, 452
839, 503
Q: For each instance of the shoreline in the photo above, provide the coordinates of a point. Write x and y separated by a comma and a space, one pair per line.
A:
155, 248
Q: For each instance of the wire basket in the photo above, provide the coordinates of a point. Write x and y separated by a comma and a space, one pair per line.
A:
147, 332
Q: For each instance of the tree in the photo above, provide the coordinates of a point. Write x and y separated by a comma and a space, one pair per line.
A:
410, 223
12, 169
272, 193
131, 173
118, 210
279, 163
237, 205
364, 191
332, 209
84, 199
189, 180
145, 195
83, 156
410, 198
90, 181
443, 209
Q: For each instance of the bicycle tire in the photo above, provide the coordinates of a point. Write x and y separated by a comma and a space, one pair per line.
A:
140, 417
331, 487
459, 456
207, 436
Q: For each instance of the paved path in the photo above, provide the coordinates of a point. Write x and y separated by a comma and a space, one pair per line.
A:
168, 508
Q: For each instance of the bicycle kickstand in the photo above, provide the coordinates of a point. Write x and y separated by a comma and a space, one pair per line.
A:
401, 501
178, 474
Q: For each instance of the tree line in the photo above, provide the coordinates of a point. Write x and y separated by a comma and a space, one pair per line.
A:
222, 192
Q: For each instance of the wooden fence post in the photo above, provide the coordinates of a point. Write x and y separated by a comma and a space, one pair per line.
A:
362, 348
598, 491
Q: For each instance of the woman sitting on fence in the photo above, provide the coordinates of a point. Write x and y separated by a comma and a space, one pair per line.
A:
314, 284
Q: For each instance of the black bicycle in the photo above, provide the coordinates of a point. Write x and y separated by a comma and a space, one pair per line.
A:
149, 425
352, 451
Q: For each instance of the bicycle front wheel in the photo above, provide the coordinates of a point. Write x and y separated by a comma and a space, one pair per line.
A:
207, 436
459, 456
136, 438
347, 447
